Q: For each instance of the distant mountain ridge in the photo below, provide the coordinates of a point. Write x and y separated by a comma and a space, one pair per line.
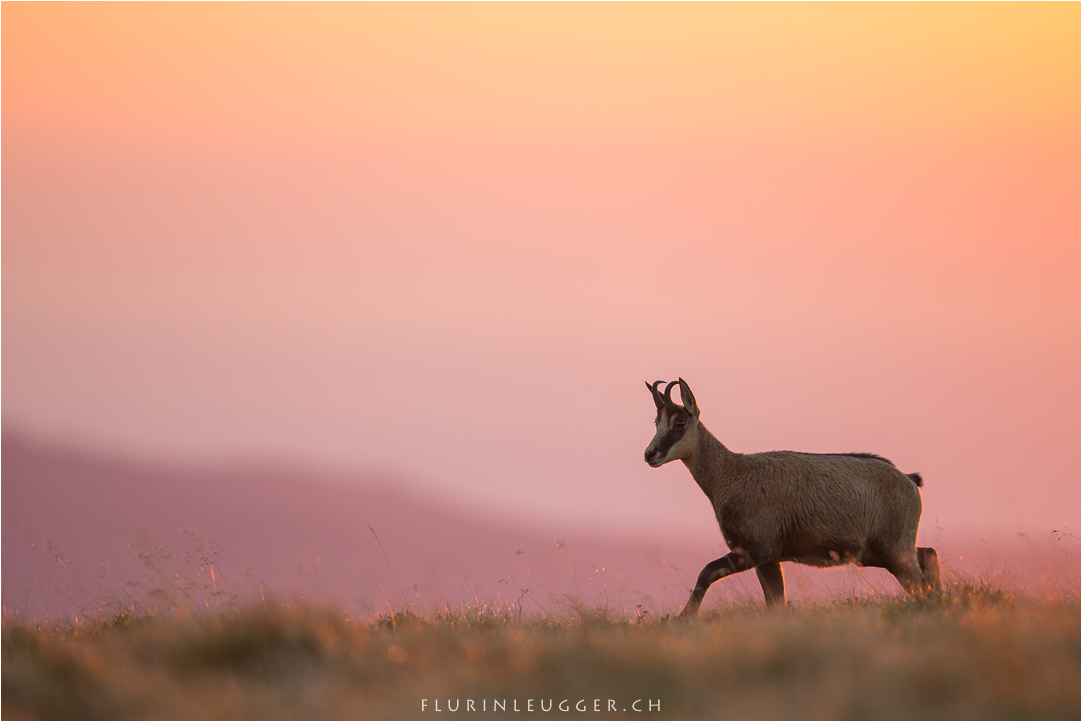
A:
74, 523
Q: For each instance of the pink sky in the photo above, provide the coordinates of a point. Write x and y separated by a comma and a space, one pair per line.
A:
451, 242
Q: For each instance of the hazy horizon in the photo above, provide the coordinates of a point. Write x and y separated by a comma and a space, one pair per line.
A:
86, 532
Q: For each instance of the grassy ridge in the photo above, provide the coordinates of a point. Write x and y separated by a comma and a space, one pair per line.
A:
976, 653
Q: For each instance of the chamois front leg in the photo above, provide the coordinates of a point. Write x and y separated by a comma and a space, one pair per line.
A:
773, 583
733, 562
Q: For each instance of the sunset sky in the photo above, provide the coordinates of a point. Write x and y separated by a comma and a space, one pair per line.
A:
445, 244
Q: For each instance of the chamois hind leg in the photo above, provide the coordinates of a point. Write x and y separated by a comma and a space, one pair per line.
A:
733, 562
929, 567
773, 582
906, 570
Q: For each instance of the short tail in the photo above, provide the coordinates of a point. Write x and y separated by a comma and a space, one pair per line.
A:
916, 479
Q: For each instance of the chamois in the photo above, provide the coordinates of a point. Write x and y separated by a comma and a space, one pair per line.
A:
818, 509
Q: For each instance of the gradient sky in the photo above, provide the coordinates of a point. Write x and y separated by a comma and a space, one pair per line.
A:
447, 243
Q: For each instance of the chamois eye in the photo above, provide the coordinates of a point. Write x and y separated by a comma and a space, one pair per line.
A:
680, 423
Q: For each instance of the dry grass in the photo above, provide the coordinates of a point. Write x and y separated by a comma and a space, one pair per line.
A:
978, 652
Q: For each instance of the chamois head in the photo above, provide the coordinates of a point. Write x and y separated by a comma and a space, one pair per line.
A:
677, 426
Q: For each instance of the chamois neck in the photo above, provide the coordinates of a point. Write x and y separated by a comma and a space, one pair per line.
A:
708, 463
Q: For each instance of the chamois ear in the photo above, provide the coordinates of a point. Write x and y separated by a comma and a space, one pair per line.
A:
689, 399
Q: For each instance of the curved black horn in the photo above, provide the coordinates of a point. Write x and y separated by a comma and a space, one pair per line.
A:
658, 401
668, 391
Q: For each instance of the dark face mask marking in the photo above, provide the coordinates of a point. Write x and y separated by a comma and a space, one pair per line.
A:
676, 431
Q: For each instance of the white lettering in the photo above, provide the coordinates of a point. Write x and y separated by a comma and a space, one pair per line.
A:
583, 707
450, 708
503, 705
658, 705
612, 705
515, 701
423, 702
529, 705
567, 708
635, 703
543, 706
469, 706
436, 702
596, 703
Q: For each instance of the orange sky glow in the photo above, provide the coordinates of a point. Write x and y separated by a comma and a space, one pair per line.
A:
451, 241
